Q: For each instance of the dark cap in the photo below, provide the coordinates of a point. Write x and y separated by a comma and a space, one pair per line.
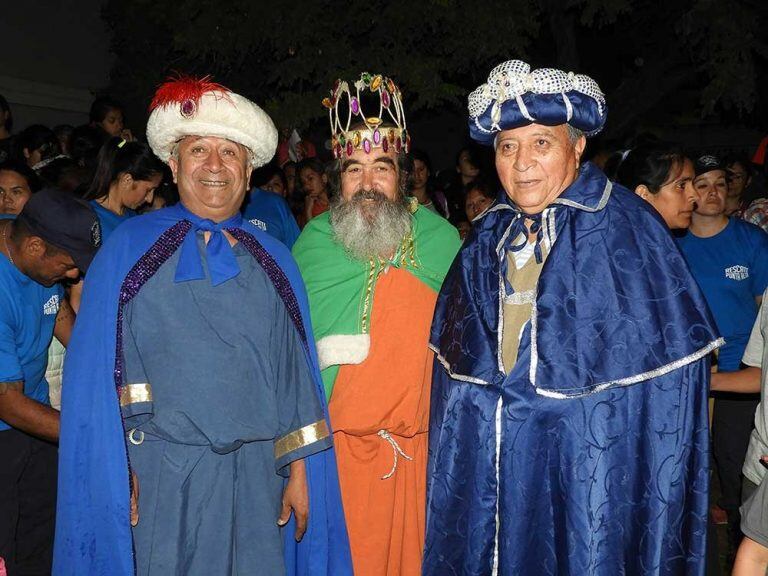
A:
708, 163
63, 221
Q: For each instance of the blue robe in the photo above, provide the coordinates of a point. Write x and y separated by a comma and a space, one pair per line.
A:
93, 533
591, 455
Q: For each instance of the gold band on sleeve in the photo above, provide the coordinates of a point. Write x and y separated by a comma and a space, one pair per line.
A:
134, 393
300, 438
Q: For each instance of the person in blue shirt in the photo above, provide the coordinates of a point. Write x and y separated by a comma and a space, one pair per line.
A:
126, 177
267, 209
729, 259
53, 239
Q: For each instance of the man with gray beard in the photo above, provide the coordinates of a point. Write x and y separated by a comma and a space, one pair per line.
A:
373, 265
370, 225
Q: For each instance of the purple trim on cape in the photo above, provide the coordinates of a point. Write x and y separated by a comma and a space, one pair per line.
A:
276, 275
146, 267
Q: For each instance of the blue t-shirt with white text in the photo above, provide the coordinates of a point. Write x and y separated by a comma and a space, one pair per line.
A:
270, 212
27, 317
731, 269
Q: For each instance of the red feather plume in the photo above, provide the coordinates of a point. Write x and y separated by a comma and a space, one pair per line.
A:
182, 88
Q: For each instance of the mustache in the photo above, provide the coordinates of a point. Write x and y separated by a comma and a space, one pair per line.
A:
361, 195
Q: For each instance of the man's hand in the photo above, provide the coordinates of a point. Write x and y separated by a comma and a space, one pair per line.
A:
296, 498
134, 499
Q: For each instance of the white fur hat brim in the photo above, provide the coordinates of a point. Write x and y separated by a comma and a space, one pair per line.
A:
221, 114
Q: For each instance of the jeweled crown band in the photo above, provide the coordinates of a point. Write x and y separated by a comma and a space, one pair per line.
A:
385, 130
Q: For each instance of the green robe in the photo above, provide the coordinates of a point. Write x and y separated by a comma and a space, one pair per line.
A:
341, 288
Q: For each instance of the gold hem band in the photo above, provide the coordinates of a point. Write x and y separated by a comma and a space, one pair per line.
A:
135, 393
302, 437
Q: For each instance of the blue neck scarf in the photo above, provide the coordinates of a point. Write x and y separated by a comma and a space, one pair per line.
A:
222, 264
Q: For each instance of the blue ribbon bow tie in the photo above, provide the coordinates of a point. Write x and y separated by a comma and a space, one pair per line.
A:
221, 261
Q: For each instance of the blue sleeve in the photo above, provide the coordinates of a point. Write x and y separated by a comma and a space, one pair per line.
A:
291, 228
759, 260
303, 429
10, 365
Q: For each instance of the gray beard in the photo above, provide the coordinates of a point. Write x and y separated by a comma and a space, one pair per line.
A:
370, 230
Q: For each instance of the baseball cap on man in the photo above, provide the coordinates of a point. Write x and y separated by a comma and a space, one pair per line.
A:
708, 163
64, 222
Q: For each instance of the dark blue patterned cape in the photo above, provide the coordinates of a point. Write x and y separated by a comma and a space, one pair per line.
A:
93, 533
602, 465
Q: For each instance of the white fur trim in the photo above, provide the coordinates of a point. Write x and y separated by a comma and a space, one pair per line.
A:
343, 349
227, 116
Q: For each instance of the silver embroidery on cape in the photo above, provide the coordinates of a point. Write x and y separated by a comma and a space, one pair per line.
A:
518, 298
451, 373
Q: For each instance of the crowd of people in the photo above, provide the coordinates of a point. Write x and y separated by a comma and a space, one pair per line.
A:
229, 350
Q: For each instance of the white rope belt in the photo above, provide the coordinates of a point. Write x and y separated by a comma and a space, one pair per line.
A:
396, 451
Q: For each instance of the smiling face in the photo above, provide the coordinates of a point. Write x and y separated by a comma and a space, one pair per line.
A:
536, 164
212, 175
377, 171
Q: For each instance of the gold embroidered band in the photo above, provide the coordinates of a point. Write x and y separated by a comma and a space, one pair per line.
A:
300, 438
134, 393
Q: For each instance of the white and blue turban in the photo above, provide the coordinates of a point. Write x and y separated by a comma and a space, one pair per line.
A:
515, 96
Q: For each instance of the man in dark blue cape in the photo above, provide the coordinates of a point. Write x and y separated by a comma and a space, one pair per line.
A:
178, 253
568, 429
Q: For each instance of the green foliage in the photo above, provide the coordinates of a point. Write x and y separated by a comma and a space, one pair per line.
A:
286, 55
723, 37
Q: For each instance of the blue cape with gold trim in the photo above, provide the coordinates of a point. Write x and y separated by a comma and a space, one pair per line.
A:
93, 532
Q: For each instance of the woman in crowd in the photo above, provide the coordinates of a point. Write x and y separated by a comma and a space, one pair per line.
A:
738, 176
127, 175
467, 168
17, 184
36, 144
63, 133
313, 184
662, 176
422, 186
107, 114
729, 259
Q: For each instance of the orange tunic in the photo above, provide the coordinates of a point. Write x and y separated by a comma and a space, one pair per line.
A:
388, 391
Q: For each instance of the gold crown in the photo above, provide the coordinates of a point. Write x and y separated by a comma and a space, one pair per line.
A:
376, 134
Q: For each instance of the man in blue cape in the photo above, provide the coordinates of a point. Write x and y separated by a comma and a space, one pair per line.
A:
192, 365
568, 430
